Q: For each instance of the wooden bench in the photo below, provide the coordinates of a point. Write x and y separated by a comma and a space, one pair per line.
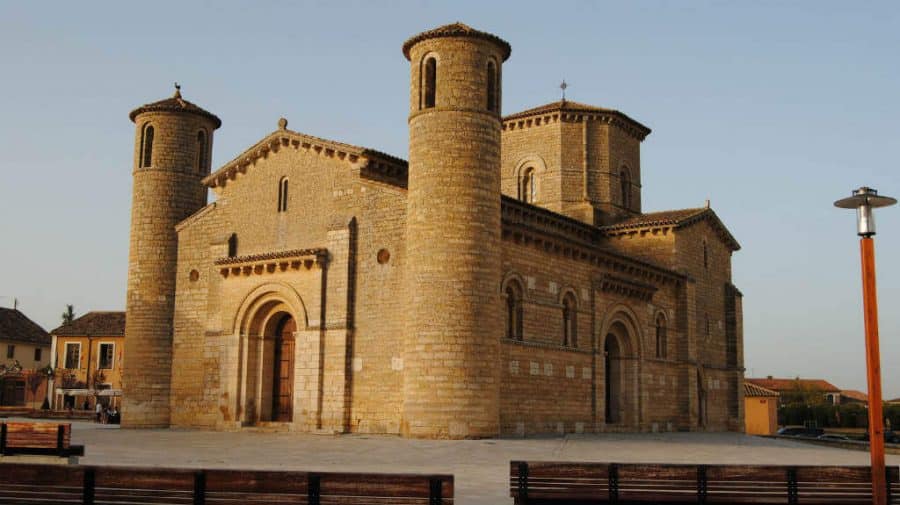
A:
537, 483
50, 484
38, 438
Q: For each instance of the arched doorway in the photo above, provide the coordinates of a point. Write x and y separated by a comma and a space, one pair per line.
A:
613, 355
283, 370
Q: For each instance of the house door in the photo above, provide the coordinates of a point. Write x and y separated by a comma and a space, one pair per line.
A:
283, 383
13, 392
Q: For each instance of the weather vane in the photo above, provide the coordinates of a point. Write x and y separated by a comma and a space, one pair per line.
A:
563, 87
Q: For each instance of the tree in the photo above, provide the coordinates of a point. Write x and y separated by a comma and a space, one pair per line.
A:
69, 315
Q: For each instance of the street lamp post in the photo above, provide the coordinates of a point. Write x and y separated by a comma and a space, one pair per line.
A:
864, 200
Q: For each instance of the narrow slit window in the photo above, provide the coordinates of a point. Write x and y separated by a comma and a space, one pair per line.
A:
232, 245
147, 146
570, 327
492, 87
202, 149
429, 83
283, 194
514, 311
625, 181
661, 337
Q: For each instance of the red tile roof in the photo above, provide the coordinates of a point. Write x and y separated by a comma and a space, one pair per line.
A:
678, 218
456, 30
564, 106
16, 327
96, 323
753, 390
175, 104
855, 395
782, 385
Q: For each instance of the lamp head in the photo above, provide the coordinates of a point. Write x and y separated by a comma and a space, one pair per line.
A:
864, 200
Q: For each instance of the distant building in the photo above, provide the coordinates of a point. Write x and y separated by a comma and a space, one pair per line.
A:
853, 396
87, 357
799, 390
26, 349
895, 401
760, 410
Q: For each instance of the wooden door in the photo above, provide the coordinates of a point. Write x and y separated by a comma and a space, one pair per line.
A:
283, 383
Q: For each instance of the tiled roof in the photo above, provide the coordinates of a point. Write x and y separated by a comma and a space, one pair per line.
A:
782, 385
855, 395
456, 30
677, 218
15, 326
175, 104
563, 106
751, 389
97, 323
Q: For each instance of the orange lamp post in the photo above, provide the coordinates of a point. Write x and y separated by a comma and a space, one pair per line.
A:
864, 200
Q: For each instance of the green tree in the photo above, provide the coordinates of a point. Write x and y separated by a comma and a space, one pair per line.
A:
69, 315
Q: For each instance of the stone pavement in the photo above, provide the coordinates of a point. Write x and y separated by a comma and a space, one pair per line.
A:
479, 466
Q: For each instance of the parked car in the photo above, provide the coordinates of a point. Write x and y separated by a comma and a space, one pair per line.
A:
800, 431
833, 436
890, 437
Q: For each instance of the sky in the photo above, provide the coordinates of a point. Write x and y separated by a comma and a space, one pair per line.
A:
772, 110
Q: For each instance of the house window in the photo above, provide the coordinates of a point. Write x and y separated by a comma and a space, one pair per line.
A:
232, 245
625, 181
37, 354
282, 194
661, 337
10, 351
492, 87
146, 146
429, 83
527, 191
202, 149
514, 311
73, 355
107, 355
570, 326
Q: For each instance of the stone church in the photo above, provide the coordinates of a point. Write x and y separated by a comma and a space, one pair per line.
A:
501, 281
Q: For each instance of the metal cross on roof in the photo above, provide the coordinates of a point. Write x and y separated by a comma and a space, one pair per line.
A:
563, 87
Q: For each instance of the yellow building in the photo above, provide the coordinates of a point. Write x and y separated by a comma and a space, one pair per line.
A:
25, 348
87, 360
760, 410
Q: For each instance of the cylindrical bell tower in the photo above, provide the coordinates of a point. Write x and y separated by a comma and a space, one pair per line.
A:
172, 148
455, 321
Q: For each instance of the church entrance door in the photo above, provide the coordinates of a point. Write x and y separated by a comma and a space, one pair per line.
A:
283, 380
613, 381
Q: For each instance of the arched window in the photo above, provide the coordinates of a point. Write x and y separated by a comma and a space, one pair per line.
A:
429, 83
202, 149
282, 194
514, 311
662, 349
570, 321
232, 245
146, 146
492, 87
625, 181
527, 191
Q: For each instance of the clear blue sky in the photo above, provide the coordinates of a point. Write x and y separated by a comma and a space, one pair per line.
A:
771, 109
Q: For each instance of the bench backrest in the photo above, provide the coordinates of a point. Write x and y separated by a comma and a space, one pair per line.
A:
35, 435
548, 482
51, 484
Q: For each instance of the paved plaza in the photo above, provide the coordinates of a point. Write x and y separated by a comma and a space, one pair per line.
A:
479, 466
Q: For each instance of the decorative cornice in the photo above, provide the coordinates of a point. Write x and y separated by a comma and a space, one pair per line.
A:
573, 112
284, 138
457, 30
704, 214
272, 262
614, 284
529, 224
